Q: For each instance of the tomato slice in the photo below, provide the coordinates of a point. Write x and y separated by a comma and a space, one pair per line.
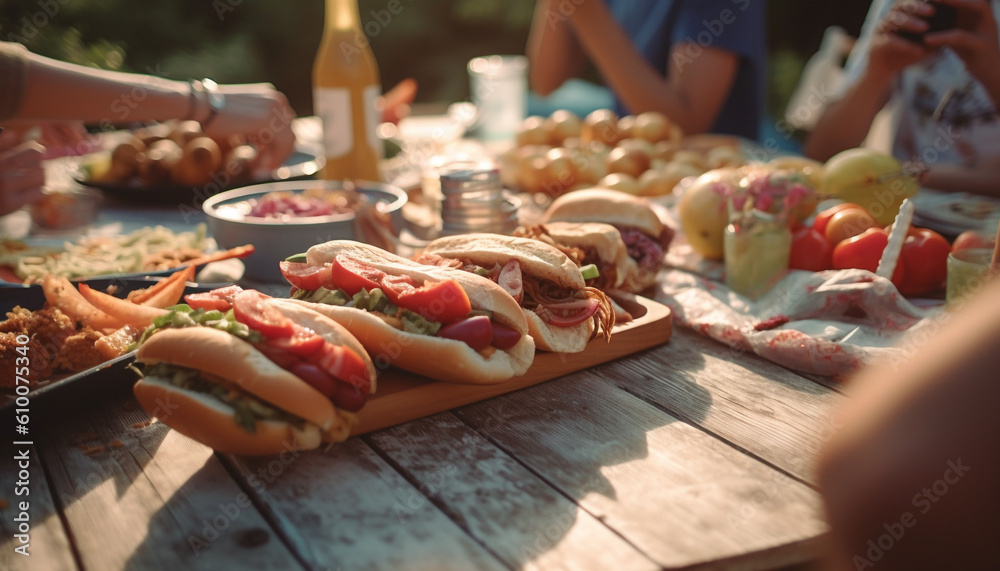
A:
444, 301
567, 314
302, 343
305, 276
251, 309
220, 299
476, 332
343, 364
353, 275
510, 280
394, 286
504, 337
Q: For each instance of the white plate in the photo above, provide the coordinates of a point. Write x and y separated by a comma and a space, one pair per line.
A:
956, 210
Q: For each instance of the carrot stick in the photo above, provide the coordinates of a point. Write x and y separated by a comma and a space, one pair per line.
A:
237, 252
141, 296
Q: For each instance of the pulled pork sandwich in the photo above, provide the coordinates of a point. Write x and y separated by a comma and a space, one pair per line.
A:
645, 236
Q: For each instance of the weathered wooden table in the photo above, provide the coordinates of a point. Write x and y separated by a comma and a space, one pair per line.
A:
688, 455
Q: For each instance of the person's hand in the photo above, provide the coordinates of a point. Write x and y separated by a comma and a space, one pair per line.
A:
60, 138
261, 116
974, 39
21, 173
889, 52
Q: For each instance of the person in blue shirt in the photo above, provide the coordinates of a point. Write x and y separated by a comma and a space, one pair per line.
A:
700, 63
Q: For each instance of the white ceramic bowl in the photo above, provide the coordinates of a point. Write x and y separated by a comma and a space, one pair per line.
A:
275, 239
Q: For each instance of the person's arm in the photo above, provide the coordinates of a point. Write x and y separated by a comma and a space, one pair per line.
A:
910, 478
845, 123
58, 91
696, 86
554, 54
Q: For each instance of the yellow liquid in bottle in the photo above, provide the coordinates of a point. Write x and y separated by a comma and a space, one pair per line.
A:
346, 88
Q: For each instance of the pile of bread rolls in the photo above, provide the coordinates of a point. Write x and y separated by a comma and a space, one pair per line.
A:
176, 153
645, 154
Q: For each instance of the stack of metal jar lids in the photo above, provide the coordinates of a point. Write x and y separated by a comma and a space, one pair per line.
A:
474, 200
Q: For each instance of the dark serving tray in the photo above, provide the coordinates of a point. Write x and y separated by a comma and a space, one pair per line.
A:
59, 397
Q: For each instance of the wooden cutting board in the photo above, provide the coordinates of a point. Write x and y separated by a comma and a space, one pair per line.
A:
403, 396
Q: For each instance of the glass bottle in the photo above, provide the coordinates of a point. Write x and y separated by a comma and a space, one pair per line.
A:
346, 87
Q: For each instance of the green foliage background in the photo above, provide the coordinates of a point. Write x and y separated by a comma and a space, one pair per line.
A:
235, 41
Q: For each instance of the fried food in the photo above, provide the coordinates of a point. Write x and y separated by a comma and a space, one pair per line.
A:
78, 352
39, 361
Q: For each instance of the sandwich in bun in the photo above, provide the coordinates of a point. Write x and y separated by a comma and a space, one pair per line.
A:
563, 313
247, 374
645, 236
439, 322
586, 243
596, 247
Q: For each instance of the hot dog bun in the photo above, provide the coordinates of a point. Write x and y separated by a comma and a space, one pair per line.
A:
607, 206
225, 359
435, 357
625, 212
539, 261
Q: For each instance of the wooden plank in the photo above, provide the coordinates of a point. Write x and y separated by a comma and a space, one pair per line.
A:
682, 497
404, 396
523, 520
138, 495
346, 508
48, 547
769, 411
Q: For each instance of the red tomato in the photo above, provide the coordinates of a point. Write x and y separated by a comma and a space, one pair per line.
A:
220, 299
394, 286
810, 251
353, 275
476, 332
250, 309
305, 276
847, 223
567, 314
925, 255
504, 337
822, 218
864, 252
971, 239
302, 343
343, 364
444, 301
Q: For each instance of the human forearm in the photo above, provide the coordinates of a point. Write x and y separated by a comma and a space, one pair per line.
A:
553, 51
691, 94
59, 91
846, 122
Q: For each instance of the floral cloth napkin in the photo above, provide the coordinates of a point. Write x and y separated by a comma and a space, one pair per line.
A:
826, 323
